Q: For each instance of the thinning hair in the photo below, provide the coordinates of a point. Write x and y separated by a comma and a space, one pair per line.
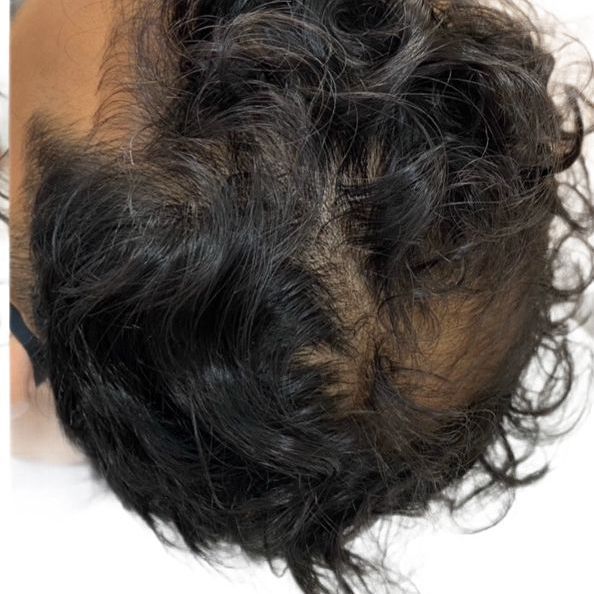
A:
292, 280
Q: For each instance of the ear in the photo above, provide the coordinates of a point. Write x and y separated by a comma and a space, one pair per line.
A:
22, 383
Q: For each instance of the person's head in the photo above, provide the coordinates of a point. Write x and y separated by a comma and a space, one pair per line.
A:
291, 277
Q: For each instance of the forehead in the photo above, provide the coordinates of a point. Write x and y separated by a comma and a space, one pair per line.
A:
57, 50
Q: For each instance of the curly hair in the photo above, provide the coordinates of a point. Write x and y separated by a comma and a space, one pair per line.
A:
292, 280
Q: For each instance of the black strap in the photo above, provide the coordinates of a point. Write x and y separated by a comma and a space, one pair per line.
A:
30, 343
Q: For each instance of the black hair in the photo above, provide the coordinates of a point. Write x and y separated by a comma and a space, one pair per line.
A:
245, 272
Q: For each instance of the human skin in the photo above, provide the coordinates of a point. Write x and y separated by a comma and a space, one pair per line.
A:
56, 49
22, 384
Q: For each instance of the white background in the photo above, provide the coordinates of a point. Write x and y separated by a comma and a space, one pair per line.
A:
69, 536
